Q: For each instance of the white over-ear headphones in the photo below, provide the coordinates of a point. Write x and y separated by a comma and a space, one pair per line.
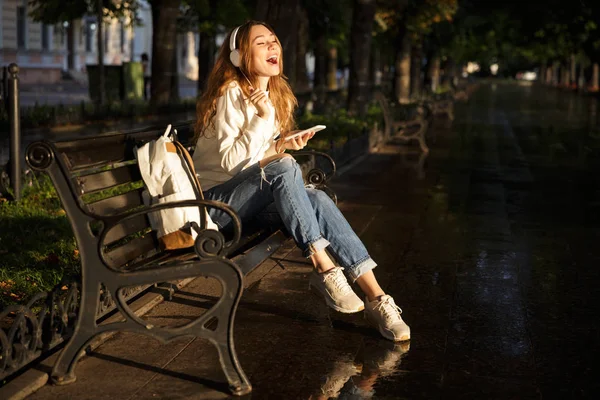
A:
234, 55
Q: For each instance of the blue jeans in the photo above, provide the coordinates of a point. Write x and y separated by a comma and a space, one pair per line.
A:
309, 215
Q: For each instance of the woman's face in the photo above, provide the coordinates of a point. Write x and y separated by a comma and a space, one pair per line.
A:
265, 52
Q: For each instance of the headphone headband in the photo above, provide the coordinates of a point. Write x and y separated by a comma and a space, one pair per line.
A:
232, 38
234, 54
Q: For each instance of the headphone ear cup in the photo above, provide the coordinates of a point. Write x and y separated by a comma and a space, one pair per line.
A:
234, 56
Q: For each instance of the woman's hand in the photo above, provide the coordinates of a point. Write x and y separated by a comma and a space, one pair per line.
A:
261, 102
296, 143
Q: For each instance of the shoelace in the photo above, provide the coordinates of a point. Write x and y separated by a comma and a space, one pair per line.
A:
391, 312
339, 281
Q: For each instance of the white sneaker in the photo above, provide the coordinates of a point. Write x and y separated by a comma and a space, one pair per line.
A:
338, 294
385, 314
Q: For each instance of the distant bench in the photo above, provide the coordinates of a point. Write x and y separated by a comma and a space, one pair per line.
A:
408, 126
408, 123
100, 187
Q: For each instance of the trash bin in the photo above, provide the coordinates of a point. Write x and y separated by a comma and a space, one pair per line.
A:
133, 81
122, 82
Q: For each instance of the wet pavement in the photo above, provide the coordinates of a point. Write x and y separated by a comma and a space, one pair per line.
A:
490, 246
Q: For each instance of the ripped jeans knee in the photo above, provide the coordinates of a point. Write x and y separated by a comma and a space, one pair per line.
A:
283, 167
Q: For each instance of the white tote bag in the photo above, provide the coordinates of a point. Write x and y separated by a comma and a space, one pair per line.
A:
169, 175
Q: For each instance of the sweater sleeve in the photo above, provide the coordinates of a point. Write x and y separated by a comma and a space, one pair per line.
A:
239, 138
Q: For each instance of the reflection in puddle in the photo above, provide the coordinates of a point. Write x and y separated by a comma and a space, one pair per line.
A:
414, 161
356, 378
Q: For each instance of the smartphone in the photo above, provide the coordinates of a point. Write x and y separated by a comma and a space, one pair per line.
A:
315, 128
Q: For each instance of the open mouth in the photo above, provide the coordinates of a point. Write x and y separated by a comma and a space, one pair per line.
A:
273, 60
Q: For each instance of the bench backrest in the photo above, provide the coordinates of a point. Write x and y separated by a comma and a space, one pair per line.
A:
98, 178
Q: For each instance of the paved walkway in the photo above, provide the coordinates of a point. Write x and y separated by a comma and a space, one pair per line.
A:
490, 249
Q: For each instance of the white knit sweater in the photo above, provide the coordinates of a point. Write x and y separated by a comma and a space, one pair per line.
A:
239, 139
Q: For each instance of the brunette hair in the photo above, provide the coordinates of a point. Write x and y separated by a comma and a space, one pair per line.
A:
224, 73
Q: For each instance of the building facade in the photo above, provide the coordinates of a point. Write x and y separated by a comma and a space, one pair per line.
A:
45, 53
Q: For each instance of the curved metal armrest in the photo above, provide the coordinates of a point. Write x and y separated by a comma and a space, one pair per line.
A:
419, 120
304, 153
113, 221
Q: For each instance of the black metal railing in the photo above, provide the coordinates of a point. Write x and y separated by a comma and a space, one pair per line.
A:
32, 331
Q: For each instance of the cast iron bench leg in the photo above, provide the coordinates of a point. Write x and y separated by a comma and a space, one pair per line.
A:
63, 372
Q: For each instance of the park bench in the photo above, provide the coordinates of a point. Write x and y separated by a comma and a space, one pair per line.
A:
99, 184
441, 106
405, 126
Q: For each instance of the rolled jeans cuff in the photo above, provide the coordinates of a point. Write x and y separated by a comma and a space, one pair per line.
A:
355, 271
318, 244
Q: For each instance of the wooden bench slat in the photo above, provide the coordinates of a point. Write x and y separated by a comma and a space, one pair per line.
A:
131, 250
95, 157
105, 150
117, 204
108, 179
126, 228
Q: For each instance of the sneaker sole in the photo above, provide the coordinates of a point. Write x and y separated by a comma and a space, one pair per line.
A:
385, 334
331, 304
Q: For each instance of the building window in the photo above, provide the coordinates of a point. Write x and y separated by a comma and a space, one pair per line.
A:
21, 27
45, 37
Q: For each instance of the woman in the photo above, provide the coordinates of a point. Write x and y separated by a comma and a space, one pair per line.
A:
244, 116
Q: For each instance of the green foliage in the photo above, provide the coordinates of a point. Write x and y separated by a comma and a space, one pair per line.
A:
512, 34
211, 16
341, 126
44, 115
415, 16
37, 246
331, 18
57, 11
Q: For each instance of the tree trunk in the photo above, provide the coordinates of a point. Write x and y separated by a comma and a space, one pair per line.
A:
283, 16
573, 72
581, 78
360, 51
403, 71
101, 80
332, 69
206, 51
301, 50
71, 46
164, 44
174, 94
595, 77
206, 58
375, 67
549, 74
555, 73
542, 76
565, 80
416, 81
320, 74
434, 72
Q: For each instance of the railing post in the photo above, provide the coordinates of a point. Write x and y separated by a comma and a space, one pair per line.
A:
15, 129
